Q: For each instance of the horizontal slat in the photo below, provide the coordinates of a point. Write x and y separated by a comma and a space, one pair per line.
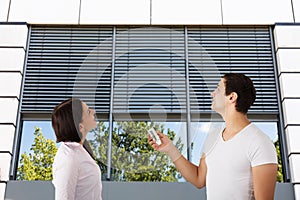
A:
149, 67
231, 50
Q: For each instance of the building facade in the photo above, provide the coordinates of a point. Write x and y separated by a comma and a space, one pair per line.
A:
19, 17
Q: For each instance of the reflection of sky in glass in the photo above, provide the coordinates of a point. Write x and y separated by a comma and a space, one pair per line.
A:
198, 135
180, 129
48, 132
28, 133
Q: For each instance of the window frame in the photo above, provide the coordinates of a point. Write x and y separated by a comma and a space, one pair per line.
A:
272, 116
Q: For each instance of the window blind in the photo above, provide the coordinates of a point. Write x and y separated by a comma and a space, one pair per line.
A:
66, 62
149, 67
215, 51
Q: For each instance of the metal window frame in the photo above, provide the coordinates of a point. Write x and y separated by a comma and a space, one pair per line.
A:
281, 135
44, 116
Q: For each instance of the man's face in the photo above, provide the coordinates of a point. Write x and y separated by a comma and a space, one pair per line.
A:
219, 100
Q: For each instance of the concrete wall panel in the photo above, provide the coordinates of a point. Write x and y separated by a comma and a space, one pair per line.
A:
293, 138
4, 6
287, 37
186, 12
9, 108
289, 85
288, 60
256, 11
5, 159
44, 12
11, 83
296, 6
13, 36
115, 12
12, 59
295, 166
7, 133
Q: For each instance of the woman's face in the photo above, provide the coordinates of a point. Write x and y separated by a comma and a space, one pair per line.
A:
88, 119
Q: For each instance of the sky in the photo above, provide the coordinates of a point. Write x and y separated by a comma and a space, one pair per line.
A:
28, 133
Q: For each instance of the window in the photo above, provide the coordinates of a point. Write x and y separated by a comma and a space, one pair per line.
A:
143, 76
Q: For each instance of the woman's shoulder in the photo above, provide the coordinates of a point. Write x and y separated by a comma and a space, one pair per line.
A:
68, 152
69, 148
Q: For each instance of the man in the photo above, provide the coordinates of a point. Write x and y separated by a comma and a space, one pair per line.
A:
242, 163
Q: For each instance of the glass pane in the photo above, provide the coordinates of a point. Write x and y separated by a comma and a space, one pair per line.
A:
28, 131
269, 128
199, 133
98, 139
37, 151
200, 130
133, 159
38, 142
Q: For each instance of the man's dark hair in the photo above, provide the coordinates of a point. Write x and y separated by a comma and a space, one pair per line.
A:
243, 86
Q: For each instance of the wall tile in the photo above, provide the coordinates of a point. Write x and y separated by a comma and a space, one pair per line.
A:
186, 12
296, 6
12, 59
293, 138
288, 60
287, 36
2, 190
7, 133
256, 11
9, 108
297, 191
289, 85
291, 110
115, 12
12, 82
44, 12
295, 166
4, 5
13, 35
5, 159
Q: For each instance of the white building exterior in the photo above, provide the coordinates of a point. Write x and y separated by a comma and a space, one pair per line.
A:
16, 14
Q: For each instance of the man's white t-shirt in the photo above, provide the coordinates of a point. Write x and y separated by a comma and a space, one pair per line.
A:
76, 176
229, 163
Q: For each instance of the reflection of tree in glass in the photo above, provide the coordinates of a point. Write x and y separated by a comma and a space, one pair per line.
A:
133, 159
37, 165
279, 172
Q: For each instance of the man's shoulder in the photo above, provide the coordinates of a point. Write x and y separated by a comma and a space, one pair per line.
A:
255, 132
254, 137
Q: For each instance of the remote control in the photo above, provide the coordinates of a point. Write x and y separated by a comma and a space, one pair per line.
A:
154, 135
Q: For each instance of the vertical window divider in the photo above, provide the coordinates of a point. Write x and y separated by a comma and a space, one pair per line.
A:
188, 109
109, 151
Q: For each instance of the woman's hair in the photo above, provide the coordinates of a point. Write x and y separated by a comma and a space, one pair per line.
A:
66, 117
243, 86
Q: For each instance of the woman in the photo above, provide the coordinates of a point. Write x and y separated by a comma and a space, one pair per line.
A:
76, 176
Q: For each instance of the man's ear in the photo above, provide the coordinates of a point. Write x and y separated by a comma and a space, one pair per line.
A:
233, 97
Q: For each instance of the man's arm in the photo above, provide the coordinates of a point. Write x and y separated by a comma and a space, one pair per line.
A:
192, 173
264, 181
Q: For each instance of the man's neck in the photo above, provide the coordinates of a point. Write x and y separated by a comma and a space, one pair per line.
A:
235, 122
